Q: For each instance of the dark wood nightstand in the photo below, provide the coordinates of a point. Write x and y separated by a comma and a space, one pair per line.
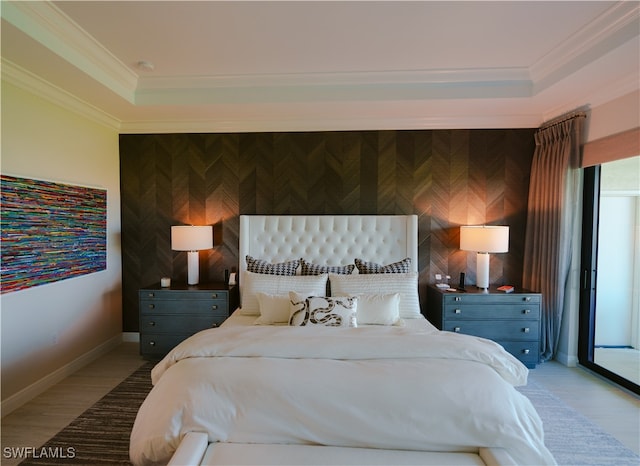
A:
510, 319
170, 315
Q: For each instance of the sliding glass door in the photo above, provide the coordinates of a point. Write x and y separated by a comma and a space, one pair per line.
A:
609, 341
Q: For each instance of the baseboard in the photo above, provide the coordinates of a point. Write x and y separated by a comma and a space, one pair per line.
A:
131, 337
566, 359
29, 393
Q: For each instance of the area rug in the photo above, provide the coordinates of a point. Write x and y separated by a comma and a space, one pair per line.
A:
572, 438
101, 434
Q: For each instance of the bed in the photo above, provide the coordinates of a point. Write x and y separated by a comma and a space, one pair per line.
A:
329, 360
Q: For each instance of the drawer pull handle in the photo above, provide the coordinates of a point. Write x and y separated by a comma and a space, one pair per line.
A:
214, 325
151, 306
152, 343
527, 298
457, 311
214, 295
457, 298
526, 311
525, 330
214, 307
456, 329
525, 351
152, 324
151, 295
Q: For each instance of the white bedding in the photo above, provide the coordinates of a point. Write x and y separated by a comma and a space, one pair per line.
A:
430, 390
238, 319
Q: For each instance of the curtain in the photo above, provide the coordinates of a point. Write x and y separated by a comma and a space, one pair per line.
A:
554, 193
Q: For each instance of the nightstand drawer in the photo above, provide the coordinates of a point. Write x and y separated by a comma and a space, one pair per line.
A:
497, 329
498, 298
493, 311
156, 306
182, 295
187, 324
525, 351
158, 345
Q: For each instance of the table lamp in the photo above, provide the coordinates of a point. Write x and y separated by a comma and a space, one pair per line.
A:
484, 240
192, 239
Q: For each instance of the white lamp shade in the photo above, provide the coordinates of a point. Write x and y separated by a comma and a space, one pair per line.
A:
484, 238
191, 238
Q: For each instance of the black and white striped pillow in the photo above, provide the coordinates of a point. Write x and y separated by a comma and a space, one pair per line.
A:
309, 268
280, 268
402, 266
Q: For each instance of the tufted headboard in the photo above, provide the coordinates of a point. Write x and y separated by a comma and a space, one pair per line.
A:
329, 239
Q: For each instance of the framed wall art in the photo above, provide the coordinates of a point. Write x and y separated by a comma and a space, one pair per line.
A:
50, 232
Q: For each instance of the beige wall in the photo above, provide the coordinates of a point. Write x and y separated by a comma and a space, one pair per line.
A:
49, 330
613, 117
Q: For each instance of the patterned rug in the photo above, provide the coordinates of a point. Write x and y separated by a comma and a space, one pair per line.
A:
101, 434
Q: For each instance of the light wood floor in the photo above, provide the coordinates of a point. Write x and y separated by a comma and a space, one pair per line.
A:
614, 410
33, 424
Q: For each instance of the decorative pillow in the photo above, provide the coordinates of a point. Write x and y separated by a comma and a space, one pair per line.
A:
406, 284
322, 310
309, 268
281, 268
274, 309
379, 309
403, 266
252, 283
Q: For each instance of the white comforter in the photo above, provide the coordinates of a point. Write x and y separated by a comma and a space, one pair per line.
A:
373, 387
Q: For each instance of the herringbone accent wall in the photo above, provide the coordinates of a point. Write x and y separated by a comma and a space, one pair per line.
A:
447, 177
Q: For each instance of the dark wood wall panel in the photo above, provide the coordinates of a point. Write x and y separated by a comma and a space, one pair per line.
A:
446, 177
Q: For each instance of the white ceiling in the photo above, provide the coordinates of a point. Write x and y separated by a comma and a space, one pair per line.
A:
323, 65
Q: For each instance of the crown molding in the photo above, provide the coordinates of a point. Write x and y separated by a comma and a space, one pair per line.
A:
598, 97
440, 76
27, 81
332, 124
479, 83
617, 25
48, 25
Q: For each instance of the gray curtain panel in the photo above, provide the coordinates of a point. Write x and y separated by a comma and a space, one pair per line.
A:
554, 194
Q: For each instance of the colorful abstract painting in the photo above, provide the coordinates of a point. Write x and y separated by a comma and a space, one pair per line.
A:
50, 232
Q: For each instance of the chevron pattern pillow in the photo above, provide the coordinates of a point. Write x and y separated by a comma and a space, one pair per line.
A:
280, 268
402, 266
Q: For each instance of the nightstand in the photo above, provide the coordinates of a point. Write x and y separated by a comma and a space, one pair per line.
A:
170, 315
511, 319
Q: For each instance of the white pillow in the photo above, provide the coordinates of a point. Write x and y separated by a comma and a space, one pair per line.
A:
274, 309
406, 284
339, 311
378, 309
252, 283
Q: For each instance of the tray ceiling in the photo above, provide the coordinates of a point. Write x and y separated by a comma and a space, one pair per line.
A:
158, 66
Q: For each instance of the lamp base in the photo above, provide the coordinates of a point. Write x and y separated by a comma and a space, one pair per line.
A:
482, 270
193, 268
